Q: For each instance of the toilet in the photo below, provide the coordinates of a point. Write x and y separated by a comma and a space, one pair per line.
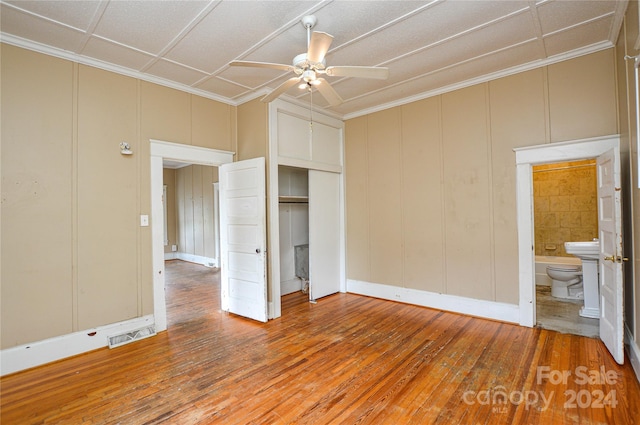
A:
566, 281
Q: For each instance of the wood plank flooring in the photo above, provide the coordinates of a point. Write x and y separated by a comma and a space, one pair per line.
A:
346, 360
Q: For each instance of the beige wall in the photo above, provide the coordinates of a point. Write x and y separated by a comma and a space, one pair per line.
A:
565, 205
73, 254
194, 210
38, 192
431, 185
106, 198
253, 130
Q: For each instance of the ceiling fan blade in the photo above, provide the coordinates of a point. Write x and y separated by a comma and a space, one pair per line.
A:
318, 46
262, 65
281, 89
328, 92
379, 73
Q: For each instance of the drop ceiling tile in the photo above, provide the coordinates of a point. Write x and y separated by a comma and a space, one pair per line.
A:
147, 25
578, 37
175, 72
428, 27
446, 79
556, 15
344, 20
515, 30
364, 103
252, 77
456, 51
32, 28
77, 14
107, 51
223, 88
500, 61
350, 88
226, 31
347, 20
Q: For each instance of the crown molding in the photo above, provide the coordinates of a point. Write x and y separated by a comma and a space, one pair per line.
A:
74, 57
485, 78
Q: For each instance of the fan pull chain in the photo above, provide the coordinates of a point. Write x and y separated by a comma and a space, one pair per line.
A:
310, 109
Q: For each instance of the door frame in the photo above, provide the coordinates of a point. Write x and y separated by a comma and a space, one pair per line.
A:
525, 159
160, 150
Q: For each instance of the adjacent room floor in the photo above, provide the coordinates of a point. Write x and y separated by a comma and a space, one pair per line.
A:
562, 315
347, 359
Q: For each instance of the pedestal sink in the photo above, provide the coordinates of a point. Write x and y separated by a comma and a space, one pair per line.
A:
588, 252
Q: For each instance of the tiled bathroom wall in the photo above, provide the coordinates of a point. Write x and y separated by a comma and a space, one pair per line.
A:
565, 205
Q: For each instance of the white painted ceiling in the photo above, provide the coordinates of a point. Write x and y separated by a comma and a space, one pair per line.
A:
430, 47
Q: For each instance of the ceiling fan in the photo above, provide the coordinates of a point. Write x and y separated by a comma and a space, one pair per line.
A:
309, 67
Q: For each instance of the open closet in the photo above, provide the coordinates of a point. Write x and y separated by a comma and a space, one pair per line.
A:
293, 210
306, 205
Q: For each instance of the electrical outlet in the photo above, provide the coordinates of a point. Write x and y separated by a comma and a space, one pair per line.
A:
144, 220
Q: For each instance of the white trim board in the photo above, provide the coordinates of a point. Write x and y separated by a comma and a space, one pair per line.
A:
26, 356
197, 259
633, 351
478, 308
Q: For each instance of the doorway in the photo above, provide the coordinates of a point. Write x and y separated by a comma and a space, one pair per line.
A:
161, 151
565, 210
606, 150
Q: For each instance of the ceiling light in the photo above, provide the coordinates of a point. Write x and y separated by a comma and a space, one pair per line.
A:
309, 75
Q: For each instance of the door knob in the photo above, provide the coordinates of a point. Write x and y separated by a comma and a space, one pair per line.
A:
257, 250
612, 258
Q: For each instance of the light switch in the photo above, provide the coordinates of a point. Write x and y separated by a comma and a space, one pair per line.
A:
144, 220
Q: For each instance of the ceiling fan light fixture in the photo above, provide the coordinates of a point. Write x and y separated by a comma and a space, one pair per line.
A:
309, 75
309, 67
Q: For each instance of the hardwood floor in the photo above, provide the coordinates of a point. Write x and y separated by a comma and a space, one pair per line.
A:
347, 359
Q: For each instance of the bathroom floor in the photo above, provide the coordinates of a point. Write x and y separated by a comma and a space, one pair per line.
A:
562, 315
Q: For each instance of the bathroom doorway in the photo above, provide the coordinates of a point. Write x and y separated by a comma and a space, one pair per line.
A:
606, 150
565, 210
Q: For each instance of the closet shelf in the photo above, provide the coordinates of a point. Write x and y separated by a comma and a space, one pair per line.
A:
292, 199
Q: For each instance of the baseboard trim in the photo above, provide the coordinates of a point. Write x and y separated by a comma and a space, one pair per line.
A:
633, 351
26, 356
197, 259
479, 308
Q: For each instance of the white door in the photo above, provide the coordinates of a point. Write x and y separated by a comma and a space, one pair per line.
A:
610, 258
324, 233
243, 238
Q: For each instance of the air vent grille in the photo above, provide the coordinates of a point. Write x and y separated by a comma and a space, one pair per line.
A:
127, 337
